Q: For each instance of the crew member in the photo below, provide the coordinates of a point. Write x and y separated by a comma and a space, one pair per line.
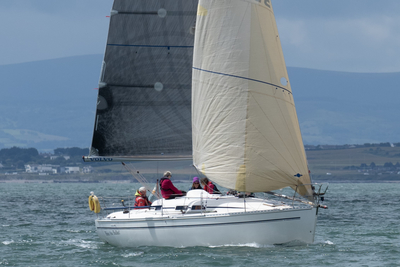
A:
209, 186
168, 190
141, 198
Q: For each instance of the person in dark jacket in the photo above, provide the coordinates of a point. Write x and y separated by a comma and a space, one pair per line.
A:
196, 184
141, 198
209, 186
168, 190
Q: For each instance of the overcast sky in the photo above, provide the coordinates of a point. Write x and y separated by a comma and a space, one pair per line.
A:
342, 35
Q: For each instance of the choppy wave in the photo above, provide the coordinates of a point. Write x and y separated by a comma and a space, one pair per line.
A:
81, 243
64, 234
132, 254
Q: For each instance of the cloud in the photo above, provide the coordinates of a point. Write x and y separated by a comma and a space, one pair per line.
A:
361, 44
342, 35
37, 30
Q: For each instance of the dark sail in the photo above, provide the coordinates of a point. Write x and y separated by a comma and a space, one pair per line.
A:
144, 100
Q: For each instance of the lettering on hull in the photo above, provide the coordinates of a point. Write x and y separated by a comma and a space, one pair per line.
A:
101, 159
114, 232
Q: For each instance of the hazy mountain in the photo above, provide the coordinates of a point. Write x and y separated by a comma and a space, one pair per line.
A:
346, 108
50, 104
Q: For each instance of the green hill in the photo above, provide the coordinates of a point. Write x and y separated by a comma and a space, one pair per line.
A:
346, 164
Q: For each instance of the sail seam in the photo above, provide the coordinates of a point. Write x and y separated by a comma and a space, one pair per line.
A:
255, 99
266, 139
277, 103
244, 78
293, 138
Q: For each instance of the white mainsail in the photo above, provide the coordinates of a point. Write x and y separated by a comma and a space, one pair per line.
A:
246, 134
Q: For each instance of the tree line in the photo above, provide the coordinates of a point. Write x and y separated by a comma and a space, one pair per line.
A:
16, 157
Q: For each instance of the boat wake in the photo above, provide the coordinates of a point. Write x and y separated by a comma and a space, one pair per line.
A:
250, 245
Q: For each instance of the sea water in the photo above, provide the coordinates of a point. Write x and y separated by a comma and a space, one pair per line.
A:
50, 224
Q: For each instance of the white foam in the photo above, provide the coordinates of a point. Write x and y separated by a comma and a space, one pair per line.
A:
133, 254
81, 243
251, 245
7, 242
73, 231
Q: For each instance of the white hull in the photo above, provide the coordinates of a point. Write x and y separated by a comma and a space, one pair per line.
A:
225, 221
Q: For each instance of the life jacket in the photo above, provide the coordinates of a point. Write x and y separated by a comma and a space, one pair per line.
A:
140, 197
213, 188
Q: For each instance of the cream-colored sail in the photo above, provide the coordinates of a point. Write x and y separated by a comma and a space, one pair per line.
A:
246, 134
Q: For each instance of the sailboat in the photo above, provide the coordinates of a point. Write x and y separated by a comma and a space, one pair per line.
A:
204, 80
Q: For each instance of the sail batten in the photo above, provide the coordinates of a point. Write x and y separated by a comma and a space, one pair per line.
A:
246, 134
245, 78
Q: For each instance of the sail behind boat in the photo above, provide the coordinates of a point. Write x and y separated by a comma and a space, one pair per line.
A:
144, 101
246, 134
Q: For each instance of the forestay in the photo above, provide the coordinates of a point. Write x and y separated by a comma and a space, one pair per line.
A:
246, 134
144, 100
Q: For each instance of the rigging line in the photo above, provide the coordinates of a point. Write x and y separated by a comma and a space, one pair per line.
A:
140, 178
244, 78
